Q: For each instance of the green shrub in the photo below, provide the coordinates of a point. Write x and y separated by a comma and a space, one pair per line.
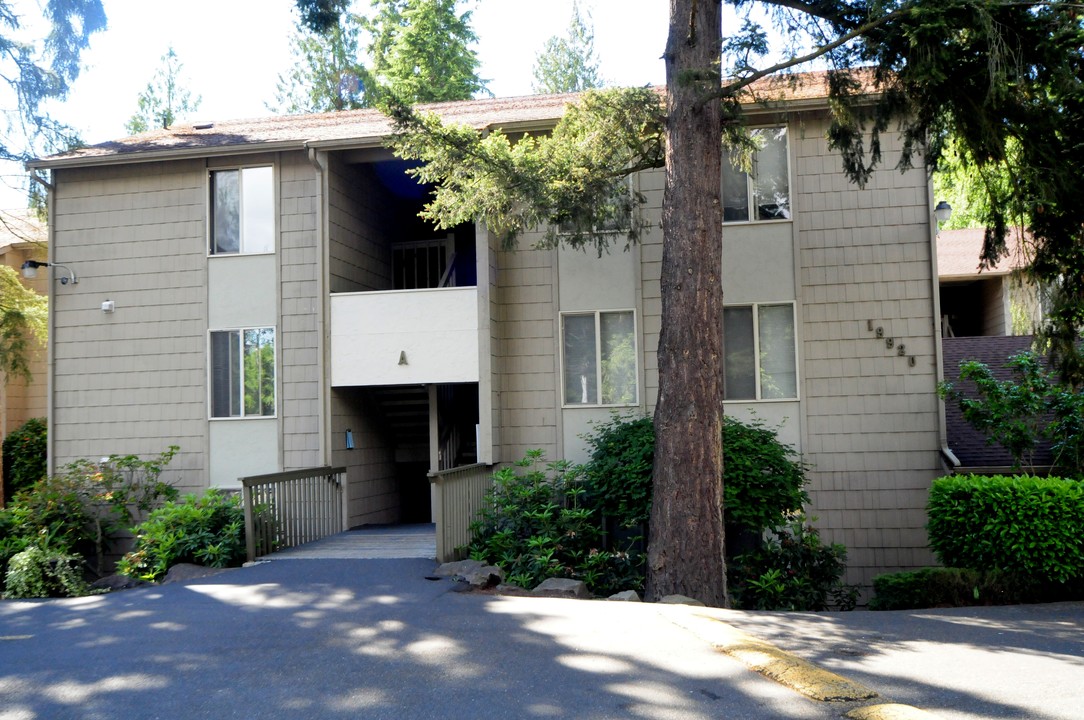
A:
792, 570
25, 451
960, 587
38, 572
207, 530
1019, 413
763, 479
83, 509
11, 542
618, 475
535, 525
1022, 524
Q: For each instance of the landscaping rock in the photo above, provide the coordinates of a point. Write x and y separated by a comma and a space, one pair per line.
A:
475, 572
187, 571
117, 582
626, 596
680, 600
562, 587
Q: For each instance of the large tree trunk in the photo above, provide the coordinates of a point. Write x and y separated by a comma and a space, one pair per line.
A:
685, 553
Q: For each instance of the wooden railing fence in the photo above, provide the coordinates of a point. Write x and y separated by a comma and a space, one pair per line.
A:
458, 494
286, 509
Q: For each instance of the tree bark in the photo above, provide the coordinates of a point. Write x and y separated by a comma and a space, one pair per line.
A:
685, 551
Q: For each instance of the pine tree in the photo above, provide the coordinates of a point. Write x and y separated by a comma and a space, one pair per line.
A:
568, 64
165, 100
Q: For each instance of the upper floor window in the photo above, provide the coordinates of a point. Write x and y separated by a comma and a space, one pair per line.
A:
243, 373
599, 358
763, 193
759, 353
242, 211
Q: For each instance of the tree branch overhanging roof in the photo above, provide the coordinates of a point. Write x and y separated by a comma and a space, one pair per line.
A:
369, 127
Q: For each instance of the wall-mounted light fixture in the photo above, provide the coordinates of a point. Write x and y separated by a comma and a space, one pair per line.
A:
349, 439
30, 271
942, 213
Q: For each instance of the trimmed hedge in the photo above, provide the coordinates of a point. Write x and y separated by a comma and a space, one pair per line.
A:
959, 587
1028, 525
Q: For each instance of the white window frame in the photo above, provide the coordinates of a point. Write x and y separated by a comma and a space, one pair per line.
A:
757, 372
241, 250
750, 184
598, 357
211, 373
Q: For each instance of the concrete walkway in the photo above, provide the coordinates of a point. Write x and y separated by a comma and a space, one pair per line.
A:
372, 542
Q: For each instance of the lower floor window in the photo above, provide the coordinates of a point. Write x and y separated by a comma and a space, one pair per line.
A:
599, 358
243, 373
760, 361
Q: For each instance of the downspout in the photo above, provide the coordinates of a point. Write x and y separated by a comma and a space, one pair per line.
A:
949, 461
50, 345
324, 300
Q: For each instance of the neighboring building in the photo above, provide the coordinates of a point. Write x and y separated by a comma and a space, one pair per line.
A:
987, 315
983, 302
22, 238
275, 302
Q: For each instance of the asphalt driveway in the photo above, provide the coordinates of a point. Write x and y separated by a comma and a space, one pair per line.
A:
376, 639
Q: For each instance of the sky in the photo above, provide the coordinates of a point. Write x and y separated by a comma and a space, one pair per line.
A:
233, 51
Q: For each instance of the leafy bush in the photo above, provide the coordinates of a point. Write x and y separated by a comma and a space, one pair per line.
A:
207, 530
25, 451
11, 542
793, 570
1022, 524
1018, 413
82, 510
618, 475
763, 479
960, 587
44, 572
535, 525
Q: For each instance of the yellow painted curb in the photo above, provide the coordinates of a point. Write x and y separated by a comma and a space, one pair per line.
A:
771, 662
890, 711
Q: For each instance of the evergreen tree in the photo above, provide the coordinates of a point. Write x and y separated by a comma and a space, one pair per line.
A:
165, 100
37, 70
421, 50
327, 73
568, 64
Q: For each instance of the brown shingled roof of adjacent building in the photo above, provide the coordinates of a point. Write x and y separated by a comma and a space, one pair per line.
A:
958, 253
367, 128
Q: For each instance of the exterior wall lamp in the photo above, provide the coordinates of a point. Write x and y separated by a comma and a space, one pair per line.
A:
942, 213
30, 271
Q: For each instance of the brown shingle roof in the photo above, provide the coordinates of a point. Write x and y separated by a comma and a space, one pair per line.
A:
366, 128
958, 254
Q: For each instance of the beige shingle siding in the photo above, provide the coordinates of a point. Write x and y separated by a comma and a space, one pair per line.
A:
372, 490
133, 381
357, 212
651, 185
871, 420
299, 306
527, 366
